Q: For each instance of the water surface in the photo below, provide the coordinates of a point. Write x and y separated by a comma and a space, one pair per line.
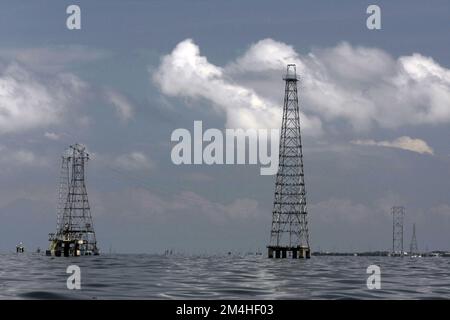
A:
134, 276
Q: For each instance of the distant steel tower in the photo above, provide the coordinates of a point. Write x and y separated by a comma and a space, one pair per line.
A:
413, 248
398, 214
75, 234
289, 234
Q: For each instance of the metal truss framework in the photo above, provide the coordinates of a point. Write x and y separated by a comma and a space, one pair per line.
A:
75, 233
398, 214
289, 232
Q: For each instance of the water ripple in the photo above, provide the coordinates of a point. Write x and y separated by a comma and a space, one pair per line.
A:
31, 276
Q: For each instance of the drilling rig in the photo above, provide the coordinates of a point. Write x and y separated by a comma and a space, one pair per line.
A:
289, 237
75, 235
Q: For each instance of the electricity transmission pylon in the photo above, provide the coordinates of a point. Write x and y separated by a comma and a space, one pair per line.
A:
75, 233
413, 248
289, 233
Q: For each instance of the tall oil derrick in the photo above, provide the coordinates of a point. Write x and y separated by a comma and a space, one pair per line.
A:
289, 233
75, 233
398, 214
413, 248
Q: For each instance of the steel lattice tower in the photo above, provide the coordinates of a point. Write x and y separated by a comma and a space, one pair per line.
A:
75, 233
398, 214
289, 233
413, 248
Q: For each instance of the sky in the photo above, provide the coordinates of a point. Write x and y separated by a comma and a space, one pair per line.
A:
375, 117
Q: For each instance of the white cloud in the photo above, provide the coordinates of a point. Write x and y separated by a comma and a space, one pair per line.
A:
124, 108
365, 87
265, 55
28, 101
21, 157
186, 73
405, 143
37, 90
52, 59
133, 161
51, 135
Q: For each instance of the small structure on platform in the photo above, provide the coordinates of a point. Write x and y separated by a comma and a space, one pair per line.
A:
20, 248
289, 252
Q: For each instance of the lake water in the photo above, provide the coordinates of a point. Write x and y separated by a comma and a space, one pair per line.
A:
33, 276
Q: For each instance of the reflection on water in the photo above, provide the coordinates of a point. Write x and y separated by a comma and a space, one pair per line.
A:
33, 276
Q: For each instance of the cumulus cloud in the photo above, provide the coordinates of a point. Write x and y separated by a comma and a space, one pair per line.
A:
124, 108
28, 101
186, 73
405, 143
266, 55
37, 89
368, 87
133, 161
365, 87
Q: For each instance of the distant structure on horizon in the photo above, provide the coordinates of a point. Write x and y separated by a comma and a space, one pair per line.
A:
20, 248
75, 234
413, 248
398, 214
289, 236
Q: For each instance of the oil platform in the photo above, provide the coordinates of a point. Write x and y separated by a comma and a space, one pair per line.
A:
75, 234
289, 236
